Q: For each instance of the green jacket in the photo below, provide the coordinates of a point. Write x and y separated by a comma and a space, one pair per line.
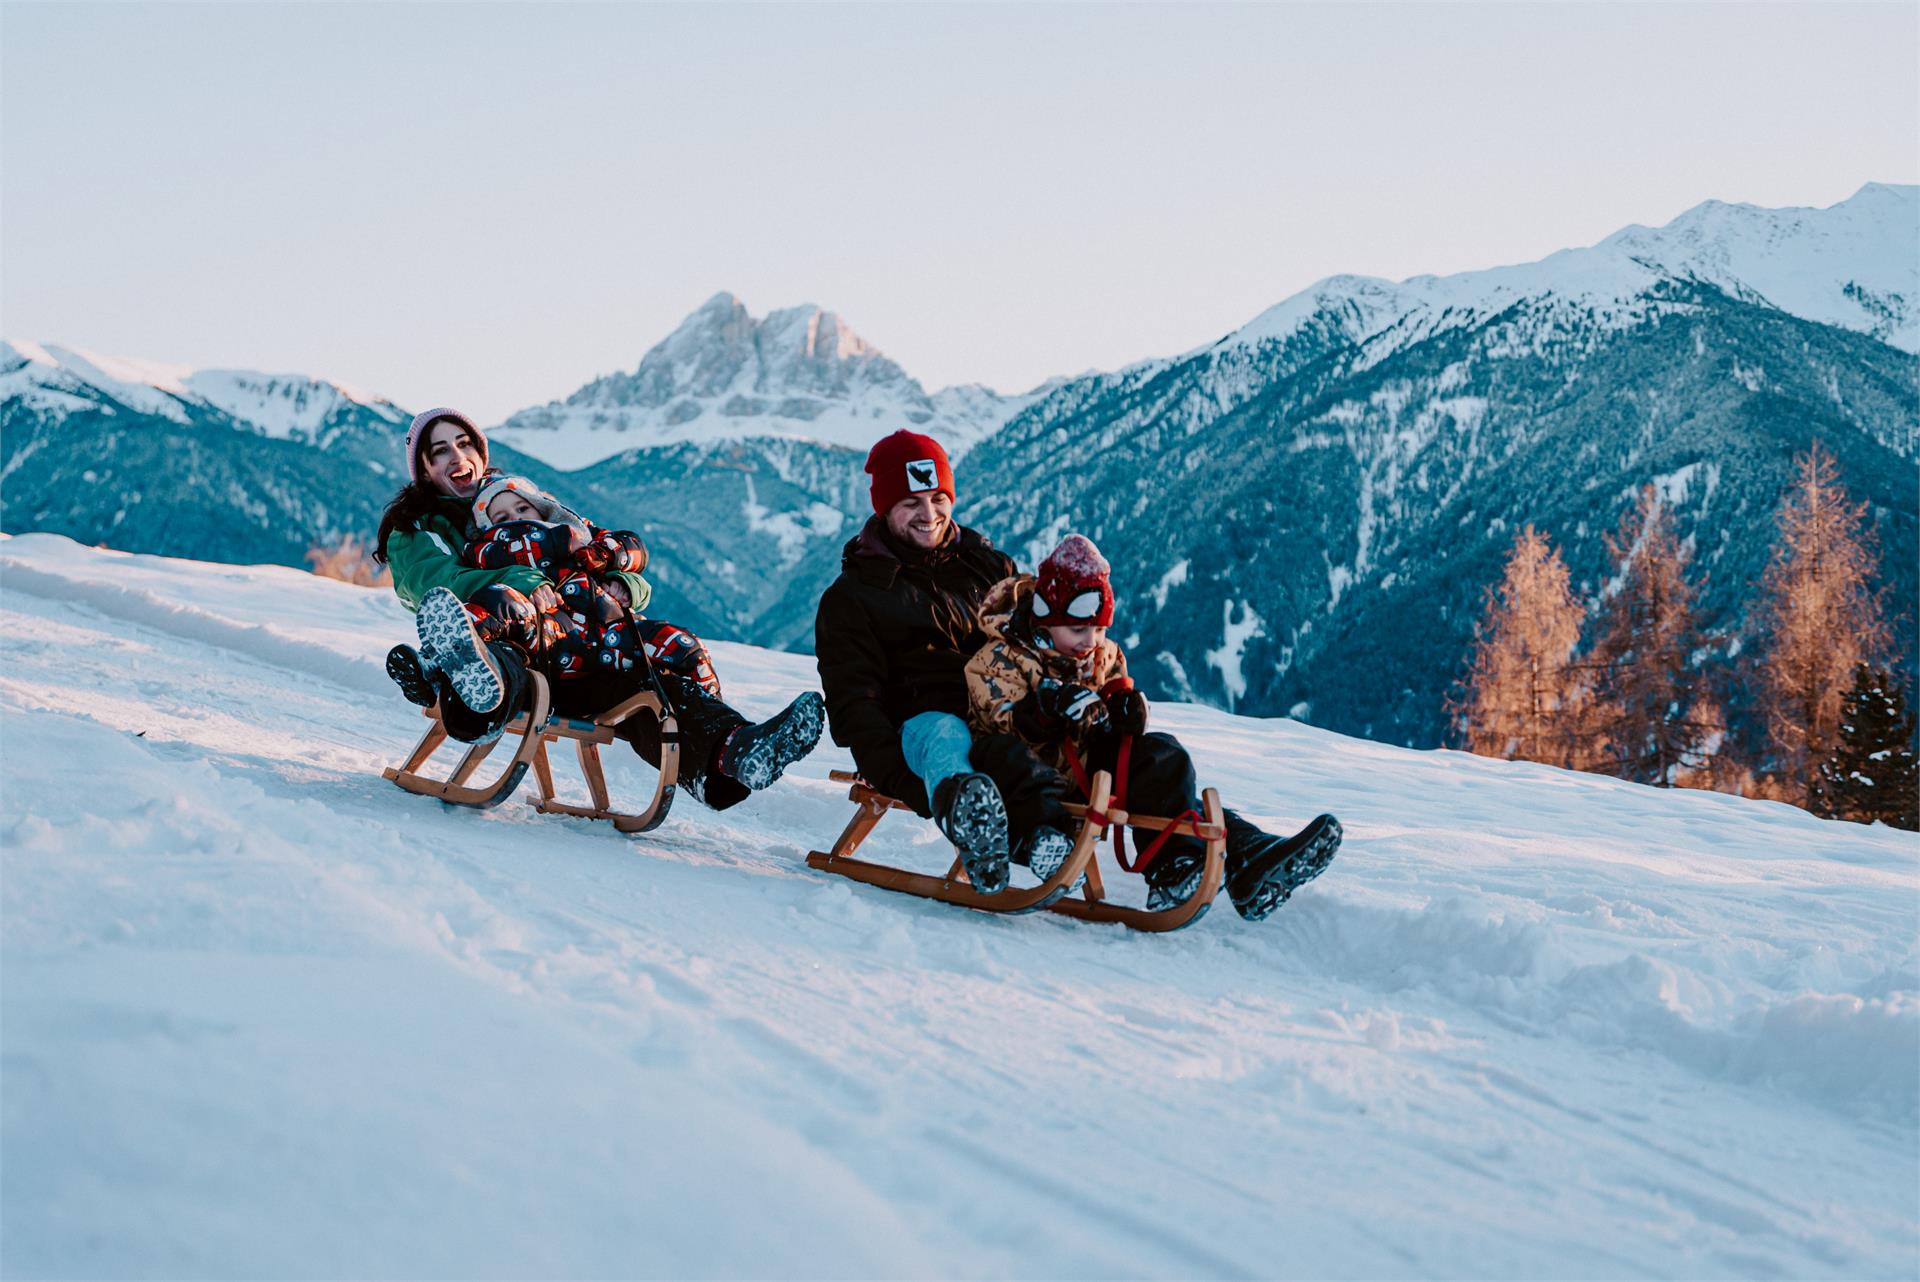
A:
429, 558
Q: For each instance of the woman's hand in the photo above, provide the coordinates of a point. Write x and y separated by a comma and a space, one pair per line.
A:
545, 599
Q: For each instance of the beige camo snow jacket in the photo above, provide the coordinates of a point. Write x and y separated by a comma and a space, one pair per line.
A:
1017, 657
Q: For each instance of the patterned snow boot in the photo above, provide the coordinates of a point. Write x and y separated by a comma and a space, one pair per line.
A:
1173, 878
410, 672
451, 645
1044, 851
970, 812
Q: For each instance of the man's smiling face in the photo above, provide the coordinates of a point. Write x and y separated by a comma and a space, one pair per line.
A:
922, 520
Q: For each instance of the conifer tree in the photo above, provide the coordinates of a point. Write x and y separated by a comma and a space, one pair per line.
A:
1821, 617
1644, 724
1870, 773
1523, 696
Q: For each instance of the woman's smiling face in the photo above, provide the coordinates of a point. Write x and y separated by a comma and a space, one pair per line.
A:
452, 459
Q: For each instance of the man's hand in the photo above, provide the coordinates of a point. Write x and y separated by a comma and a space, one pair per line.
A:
545, 599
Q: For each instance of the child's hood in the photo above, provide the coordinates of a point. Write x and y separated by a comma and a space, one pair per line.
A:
1001, 604
551, 509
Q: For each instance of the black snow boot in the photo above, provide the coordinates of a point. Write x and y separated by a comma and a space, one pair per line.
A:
970, 812
1263, 870
484, 727
706, 724
756, 755
410, 672
451, 645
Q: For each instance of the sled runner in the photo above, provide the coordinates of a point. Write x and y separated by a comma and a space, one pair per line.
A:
536, 728
954, 887
1096, 816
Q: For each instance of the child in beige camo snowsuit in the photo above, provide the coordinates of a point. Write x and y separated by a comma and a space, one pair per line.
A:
1050, 690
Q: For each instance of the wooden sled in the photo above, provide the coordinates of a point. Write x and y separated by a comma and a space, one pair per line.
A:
1210, 828
954, 887
587, 736
1095, 818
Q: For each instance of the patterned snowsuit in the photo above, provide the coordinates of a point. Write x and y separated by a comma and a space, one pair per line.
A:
595, 628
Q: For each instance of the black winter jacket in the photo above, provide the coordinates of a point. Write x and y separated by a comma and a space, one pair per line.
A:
892, 639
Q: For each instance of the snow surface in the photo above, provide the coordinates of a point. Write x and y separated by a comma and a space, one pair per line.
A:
267, 1015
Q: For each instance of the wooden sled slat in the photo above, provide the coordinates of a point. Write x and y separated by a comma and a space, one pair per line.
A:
535, 729
953, 888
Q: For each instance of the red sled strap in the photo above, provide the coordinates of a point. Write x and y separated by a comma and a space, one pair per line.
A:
1118, 802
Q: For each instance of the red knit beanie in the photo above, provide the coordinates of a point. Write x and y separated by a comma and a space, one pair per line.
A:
907, 463
1074, 585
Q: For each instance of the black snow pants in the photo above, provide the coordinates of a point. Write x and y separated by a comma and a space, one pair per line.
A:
1160, 781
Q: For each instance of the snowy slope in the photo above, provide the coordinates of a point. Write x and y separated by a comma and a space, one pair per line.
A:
799, 372
1855, 265
267, 1015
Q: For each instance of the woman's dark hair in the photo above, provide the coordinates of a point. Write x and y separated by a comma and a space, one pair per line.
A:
413, 504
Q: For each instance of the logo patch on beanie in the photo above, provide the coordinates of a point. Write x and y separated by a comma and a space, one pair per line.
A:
922, 474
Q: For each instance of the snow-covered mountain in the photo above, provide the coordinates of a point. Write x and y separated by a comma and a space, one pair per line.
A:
268, 1014
1302, 515
224, 464
282, 406
1854, 265
1328, 490
722, 375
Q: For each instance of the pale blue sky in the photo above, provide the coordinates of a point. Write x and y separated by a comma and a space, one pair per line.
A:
488, 204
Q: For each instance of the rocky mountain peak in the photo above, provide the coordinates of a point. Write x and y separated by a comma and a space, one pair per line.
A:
798, 371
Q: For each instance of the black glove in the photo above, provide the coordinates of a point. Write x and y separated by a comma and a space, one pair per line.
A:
1059, 708
1127, 712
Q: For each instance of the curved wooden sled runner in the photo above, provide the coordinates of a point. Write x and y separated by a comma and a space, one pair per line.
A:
954, 888
1053, 894
1210, 828
537, 727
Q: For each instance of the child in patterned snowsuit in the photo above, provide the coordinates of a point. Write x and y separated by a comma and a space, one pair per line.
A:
597, 627
1049, 697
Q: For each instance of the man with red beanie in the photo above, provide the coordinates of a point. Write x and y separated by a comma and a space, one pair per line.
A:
892, 638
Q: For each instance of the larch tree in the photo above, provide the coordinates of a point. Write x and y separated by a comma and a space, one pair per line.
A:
1820, 618
1522, 696
1646, 721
